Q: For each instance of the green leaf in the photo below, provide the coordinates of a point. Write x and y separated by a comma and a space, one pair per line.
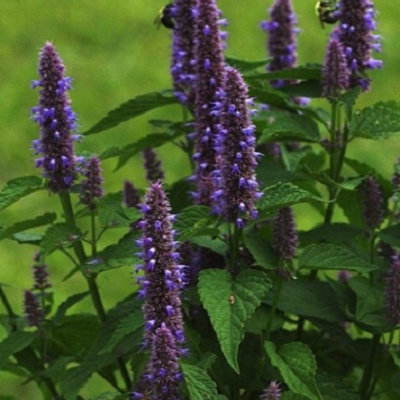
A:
13, 343
66, 305
22, 226
199, 384
334, 388
310, 88
283, 195
57, 368
298, 367
348, 99
308, 299
391, 235
111, 396
333, 233
213, 243
132, 109
302, 72
113, 215
244, 65
28, 238
288, 126
262, 251
127, 325
269, 96
328, 256
59, 236
194, 221
17, 188
380, 121
230, 303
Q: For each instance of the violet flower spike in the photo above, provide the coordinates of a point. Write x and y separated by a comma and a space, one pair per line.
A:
272, 392
152, 165
392, 293
40, 277
182, 66
236, 187
209, 72
285, 239
56, 120
372, 203
130, 196
335, 74
356, 26
92, 186
33, 310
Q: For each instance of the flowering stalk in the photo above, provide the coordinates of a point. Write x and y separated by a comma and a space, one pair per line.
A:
33, 311
209, 71
272, 392
91, 189
152, 165
372, 203
392, 291
355, 33
161, 287
130, 195
56, 120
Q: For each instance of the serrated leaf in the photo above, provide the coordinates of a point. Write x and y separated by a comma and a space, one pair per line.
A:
328, 256
244, 65
333, 233
59, 235
334, 388
270, 96
22, 226
57, 367
348, 99
132, 109
309, 89
13, 343
391, 235
28, 238
308, 299
17, 188
113, 215
285, 126
298, 367
127, 325
380, 121
199, 384
194, 221
230, 303
66, 305
212, 243
262, 251
302, 72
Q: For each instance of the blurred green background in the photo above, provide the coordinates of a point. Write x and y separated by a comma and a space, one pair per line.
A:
114, 52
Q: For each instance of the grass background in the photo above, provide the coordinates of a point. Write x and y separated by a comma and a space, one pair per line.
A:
114, 52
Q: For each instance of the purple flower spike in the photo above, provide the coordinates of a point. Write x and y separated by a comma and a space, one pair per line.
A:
56, 120
272, 392
40, 275
372, 203
235, 181
393, 292
281, 42
130, 195
335, 75
182, 68
162, 274
355, 33
152, 165
33, 311
164, 365
285, 234
209, 70
91, 186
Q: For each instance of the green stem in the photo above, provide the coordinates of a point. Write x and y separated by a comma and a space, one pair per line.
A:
234, 247
8, 307
369, 369
277, 295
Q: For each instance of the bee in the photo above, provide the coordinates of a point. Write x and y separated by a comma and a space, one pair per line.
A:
327, 12
165, 17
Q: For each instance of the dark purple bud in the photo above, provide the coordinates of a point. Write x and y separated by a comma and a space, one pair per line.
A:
152, 165
285, 239
343, 276
164, 365
372, 203
272, 392
163, 276
236, 187
130, 195
56, 120
40, 276
209, 71
182, 68
356, 24
393, 292
335, 75
91, 189
33, 311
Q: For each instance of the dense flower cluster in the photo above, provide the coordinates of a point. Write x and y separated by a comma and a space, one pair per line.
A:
357, 22
236, 187
152, 165
281, 42
91, 186
40, 275
161, 286
182, 69
56, 120
130, 196
33, 310
209, 71
393, 291
335, 75
285, 239
372, 203
272, 392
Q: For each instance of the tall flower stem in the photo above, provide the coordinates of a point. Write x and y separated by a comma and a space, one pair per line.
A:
366, 381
